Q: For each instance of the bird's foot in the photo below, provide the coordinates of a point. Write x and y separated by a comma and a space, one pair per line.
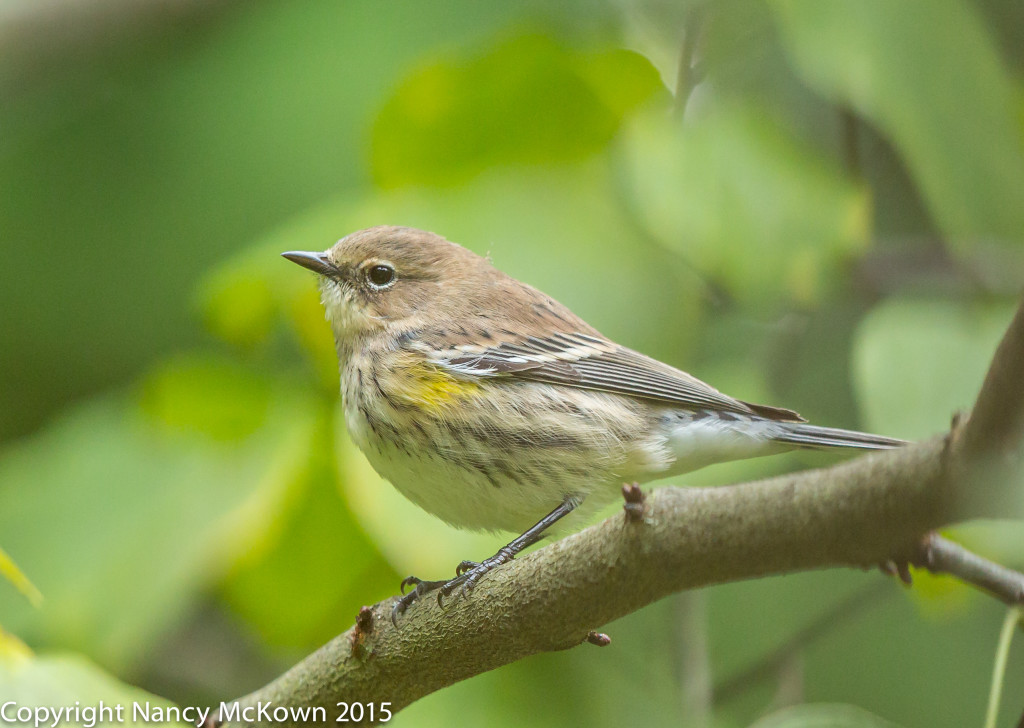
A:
467, 574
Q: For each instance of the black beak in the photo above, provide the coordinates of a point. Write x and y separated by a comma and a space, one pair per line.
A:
316, 262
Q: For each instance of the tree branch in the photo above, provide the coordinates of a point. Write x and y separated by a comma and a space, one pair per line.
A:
942, 556
859, 513
997, 420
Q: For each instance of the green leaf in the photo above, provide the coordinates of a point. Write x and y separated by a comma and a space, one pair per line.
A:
209, 395
528, 100
12, 649
917, 362
124, 518
745, 202
238, 304
72, 681
929, 76
246, 298
306, 583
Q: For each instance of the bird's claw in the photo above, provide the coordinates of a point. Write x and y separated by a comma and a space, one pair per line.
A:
399, 609
421, 587
467, 574
448, 587
409, 581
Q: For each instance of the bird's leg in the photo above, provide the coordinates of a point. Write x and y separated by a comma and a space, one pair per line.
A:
468, 573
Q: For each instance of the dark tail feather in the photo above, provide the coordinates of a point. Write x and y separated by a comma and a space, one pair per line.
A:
803, 435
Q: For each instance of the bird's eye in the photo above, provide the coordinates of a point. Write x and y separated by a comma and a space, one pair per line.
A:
381, 275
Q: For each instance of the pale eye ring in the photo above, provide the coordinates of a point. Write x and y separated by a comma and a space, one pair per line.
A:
380, 275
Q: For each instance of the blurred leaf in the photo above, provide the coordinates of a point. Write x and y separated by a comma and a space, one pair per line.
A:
527, 100
306, 315
305, 584
746, 203
12, 650
940, 596
916, 362
877, 659
209, 395
71, 681
623, 81
822, 716
123, 524
237, 305
930, 77
10, 571
246, 296
654, 28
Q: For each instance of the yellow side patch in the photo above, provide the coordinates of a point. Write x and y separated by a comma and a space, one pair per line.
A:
429, 387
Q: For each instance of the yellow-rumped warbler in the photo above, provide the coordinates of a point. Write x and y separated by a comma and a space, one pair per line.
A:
489, 404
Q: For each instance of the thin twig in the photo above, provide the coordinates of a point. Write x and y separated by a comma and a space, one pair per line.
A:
1010, 624
942, 556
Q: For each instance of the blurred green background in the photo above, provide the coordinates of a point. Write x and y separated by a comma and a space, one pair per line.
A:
815, 204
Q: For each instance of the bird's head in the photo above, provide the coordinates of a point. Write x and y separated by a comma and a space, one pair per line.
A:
387, 277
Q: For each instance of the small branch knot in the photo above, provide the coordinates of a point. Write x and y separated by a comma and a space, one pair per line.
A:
925, 557
634, 505
362, 630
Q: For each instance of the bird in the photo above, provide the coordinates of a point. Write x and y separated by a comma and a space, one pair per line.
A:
494, 407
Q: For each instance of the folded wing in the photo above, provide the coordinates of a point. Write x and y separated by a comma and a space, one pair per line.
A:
591, 362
